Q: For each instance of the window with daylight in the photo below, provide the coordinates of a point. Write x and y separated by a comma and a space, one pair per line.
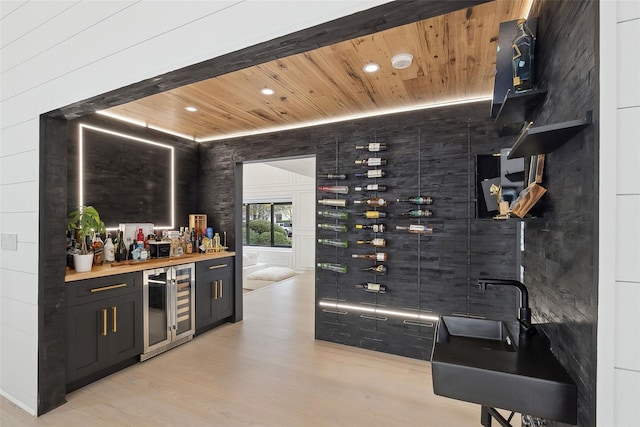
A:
267, 224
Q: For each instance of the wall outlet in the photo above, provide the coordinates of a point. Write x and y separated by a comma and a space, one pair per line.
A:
9, 242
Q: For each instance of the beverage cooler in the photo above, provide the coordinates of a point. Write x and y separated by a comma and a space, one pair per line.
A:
169, 302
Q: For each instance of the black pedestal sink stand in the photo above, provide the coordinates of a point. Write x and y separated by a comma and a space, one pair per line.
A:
486, 413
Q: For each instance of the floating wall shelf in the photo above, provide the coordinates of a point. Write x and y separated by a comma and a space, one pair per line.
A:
517, 107
545, 139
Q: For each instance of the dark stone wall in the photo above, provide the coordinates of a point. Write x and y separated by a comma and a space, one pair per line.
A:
128, 181
560, 258
431, 152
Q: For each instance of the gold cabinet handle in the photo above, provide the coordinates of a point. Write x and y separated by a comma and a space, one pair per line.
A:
216, 290
220, 288
213, 267
106, 288
104, 322
114, 312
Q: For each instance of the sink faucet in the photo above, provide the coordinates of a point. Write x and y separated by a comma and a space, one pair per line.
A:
524, 312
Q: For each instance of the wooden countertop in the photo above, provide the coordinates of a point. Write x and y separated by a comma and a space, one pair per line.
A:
108, 270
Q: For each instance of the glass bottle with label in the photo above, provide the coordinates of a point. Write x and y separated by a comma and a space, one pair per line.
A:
373, 146
334, 242
378, 242
109, 249
418, 213
376, 228
374, 214
373, 201
416, 228
370, 187
333, 202
98, 249
338, 189
372, 287
417, 200
371, 162
338, 268
338, 214
379, 269
373, 173
339, 176
333, 227
378, 256
121, 251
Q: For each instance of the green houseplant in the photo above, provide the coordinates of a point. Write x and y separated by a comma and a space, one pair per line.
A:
84, 222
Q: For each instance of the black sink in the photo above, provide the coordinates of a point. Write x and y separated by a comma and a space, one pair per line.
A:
490, 363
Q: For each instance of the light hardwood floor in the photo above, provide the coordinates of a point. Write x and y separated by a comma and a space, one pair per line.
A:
264, 371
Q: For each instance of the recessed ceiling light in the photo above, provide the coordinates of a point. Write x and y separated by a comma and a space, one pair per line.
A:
371, 67
267, 91
402, 61
191, 109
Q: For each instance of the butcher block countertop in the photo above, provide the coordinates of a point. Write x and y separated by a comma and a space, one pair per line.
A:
131, 266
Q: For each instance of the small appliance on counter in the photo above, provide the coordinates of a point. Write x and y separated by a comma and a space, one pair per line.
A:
159, 249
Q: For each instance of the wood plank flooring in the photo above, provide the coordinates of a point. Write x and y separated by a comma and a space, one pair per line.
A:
264, 371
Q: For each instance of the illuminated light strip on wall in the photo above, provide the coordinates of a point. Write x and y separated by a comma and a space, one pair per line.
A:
405, 314
83, 126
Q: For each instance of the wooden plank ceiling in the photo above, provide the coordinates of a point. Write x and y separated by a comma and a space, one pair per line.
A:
453, 58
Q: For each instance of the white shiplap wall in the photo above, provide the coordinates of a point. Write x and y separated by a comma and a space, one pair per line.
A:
54, 53
619, 264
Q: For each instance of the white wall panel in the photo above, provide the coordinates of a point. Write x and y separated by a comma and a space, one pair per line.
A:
305, 257
26, 193
628, 9
20, 138
28, 17
25, 259
7, 7
305, 210
627, 354
628, 63
24, 224
19, 286
19, 366
69, 23
20, 316
627, 390
19, 168
628, 151
628, 239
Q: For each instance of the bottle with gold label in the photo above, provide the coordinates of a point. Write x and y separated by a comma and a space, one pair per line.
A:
376, 228
378, 256
379, 269
374, 214
373, 201
378, 242
333, 202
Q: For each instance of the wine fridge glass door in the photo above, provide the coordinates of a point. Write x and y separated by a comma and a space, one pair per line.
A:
156, 310
184, 300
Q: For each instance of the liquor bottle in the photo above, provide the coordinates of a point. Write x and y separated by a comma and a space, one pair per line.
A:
374, 214
379, 269
340, 176
378, 256
334, 242
371, 162
334, 214
194, 241
140, 236
109, 249
339, 189
372, 173
121, 251
98, 249
333, 227
372, 287
338, 268
376, 228
373, 146
416, 228
522, 60
417, 200
373, 201
370, 187
378, 242
418, 213
333, 202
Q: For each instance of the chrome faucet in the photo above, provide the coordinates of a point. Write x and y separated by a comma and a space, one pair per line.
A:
524, 312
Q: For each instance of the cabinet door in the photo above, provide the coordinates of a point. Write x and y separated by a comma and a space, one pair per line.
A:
214, 291
87, 339
124, 327
223, 299
205, 284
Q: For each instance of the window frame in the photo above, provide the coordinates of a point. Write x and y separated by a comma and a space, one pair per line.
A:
246, 238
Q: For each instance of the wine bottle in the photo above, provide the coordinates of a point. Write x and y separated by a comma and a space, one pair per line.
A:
339, 189
418, 213
374, 214
416, 228
370, 187
378, 242
417, 200
372, 173
378, 256
334, 214
334, 242
333, 227
339, 176
338, 268
379, 269
376, 228
373, 146
373, 201
371, 162
333, 202
372, 287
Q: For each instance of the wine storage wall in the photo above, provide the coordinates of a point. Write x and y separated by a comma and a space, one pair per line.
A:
439, 278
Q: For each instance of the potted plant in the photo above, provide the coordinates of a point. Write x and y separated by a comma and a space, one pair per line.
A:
84, 222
